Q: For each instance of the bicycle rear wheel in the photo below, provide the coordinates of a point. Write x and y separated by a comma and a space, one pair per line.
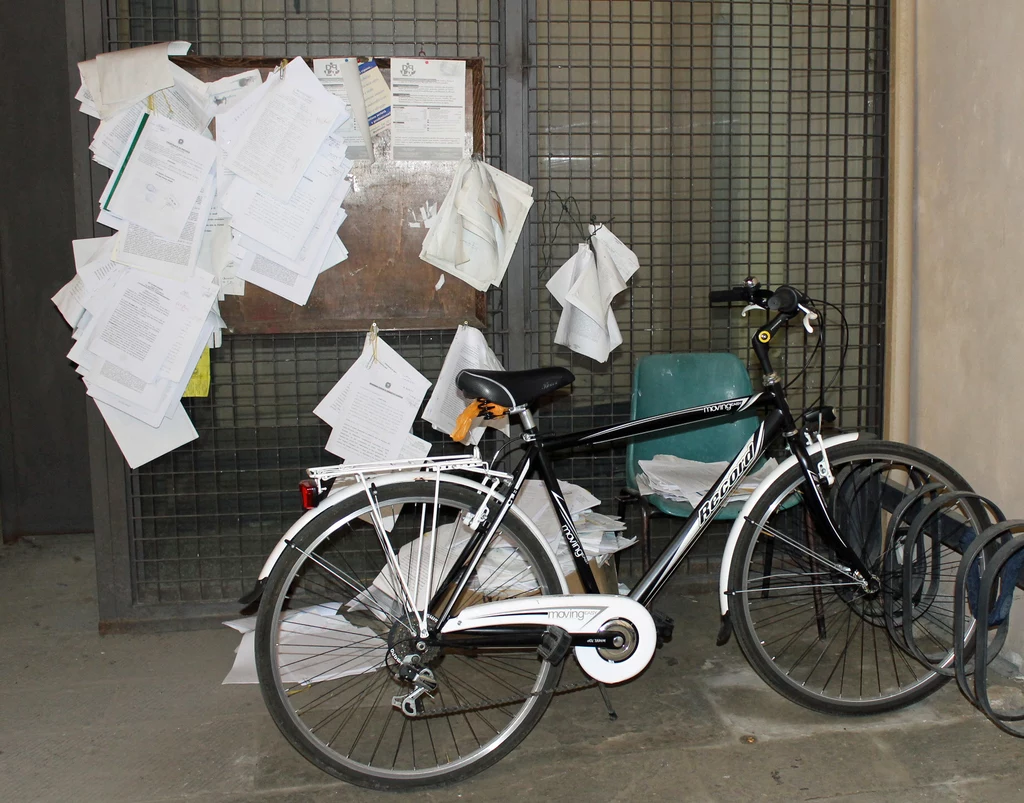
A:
807, 627
338, 630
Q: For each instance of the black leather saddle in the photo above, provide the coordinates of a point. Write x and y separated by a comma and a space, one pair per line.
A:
513, 388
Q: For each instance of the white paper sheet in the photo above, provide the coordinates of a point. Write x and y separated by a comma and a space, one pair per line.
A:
149, 402
137, 329
679, 479
315, 644
69, 300
478, 225
376, 95
215, 257
118, 79
469, 349
230, 124
285, 227
223, 94
428, 109
577, 330
195, 300
140, 443
141, 248
285, 131
340, 77
374, 407
161, 175
312, 252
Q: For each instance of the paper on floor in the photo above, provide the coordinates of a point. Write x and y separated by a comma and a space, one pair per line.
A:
315, 644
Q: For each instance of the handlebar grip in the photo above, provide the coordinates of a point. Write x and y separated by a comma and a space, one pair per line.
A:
727, 296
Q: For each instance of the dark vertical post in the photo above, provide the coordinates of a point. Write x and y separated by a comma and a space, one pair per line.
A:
516, 148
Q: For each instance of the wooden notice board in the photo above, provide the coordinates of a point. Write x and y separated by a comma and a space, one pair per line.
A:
383, 281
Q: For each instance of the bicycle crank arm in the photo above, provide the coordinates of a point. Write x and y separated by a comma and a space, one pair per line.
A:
632, 630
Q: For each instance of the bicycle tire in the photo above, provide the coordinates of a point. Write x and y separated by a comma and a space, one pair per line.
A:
819, 639
335, 705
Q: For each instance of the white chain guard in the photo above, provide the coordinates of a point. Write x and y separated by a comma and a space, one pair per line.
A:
577, 614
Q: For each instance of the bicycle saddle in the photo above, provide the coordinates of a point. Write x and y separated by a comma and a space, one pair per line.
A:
513, 388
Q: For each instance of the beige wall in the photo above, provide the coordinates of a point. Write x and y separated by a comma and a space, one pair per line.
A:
967, 363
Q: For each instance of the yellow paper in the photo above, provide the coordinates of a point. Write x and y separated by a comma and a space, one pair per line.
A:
199, 384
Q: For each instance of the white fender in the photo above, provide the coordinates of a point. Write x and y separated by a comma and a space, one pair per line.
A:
355, 489
575, 613
734, 533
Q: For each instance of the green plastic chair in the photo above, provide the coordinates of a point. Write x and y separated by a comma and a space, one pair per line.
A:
666, 382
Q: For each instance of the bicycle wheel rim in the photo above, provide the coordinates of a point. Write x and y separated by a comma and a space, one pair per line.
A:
816, 635
350, 728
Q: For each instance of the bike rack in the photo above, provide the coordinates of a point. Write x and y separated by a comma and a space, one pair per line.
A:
983, 586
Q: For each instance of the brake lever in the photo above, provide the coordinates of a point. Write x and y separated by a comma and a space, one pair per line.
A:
809, 317
750, 307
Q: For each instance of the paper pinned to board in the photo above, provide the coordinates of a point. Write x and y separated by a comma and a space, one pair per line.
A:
428, 108
141, 443
285, 131
469, 349
224, 93
116, 80
340, 77
478, 225
373, 405
162, 173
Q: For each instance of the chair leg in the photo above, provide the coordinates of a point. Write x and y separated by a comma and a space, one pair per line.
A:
645, 536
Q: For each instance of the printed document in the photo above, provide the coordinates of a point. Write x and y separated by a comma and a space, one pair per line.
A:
223, 94
594, 338
160, 176
69, 300
284, 226
141, 443
340, 77
113, 81
138, 328
585, 286
469, 349
428, 109
373, 411
140, 248
476, 230
285, 131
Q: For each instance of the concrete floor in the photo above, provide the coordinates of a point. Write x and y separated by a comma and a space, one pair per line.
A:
145, 718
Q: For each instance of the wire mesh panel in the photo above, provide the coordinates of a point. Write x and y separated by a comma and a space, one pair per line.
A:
717, 139
204, 517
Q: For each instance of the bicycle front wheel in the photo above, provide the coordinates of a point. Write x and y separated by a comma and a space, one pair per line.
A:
339, 640
806, 626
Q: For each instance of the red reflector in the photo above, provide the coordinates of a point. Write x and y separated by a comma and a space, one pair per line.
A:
310, 494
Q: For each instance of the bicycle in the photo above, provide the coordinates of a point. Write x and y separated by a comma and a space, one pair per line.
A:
413, 623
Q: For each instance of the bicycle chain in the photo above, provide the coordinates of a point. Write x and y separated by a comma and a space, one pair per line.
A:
461, 709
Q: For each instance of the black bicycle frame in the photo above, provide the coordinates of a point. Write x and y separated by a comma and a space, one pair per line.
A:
777, 421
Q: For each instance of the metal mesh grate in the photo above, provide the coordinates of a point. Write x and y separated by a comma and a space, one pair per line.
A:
204, 517
717, 139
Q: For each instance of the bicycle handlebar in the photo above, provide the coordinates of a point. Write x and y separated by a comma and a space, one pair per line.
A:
784, 299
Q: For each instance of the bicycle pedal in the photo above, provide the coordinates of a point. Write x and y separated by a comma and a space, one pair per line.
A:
554, 645
664, 625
